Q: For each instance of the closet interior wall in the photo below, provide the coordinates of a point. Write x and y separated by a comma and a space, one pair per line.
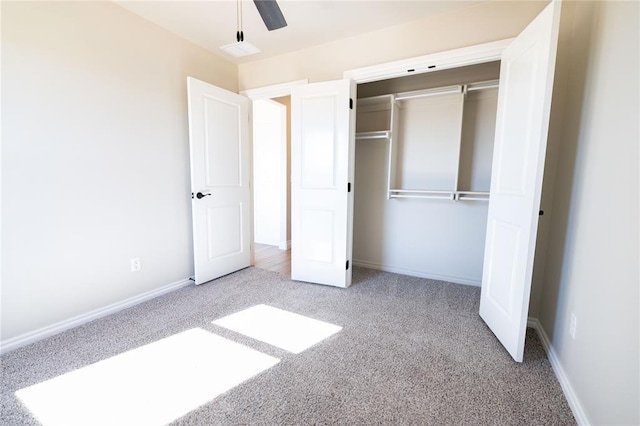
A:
438, 237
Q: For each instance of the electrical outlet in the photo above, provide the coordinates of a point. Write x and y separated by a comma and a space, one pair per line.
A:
135, 264
573, 324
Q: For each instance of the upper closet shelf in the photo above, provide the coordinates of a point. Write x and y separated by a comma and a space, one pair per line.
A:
439, 91
375, 103
385, 100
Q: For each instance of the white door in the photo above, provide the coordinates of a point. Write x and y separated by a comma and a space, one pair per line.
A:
221, 204
524, 102
322, 167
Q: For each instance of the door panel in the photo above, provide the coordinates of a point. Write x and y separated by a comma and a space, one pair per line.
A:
317, 236
524, 103
225, 222
318, 142
322, 158
223, 143
219, 145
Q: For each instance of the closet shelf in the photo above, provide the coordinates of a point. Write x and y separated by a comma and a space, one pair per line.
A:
382, 134
472, 196
439, 91
443, 195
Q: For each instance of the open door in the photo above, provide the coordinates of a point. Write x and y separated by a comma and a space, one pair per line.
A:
524, 103
322, 167
221, 203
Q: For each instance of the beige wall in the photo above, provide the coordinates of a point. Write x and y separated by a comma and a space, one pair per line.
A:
477, 24
593, 251
95, 164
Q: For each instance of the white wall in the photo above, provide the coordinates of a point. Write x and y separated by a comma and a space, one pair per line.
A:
94, 158
269, 161
593, 252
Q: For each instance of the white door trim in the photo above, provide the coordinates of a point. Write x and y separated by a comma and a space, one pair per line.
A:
477, 54
273, 91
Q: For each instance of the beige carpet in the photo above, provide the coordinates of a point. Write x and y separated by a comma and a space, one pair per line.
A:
394, 350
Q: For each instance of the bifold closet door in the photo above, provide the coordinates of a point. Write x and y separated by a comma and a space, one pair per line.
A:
524, 103
322, 167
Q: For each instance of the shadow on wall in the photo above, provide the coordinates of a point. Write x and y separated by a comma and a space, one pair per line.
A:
555, 295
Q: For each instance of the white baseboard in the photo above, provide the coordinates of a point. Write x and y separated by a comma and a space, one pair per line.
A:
50, 330
379, 267
567, 388
285, 245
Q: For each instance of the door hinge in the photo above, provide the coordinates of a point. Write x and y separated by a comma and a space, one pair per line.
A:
348, 186
350, 103
347, 265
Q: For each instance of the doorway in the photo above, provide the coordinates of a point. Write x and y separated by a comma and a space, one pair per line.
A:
271, 188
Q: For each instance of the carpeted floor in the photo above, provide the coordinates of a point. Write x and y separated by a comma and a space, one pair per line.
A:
411, 351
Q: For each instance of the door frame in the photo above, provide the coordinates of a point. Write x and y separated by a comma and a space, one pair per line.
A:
273, 91
455, 58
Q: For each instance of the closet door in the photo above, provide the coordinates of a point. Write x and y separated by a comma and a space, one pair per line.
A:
322, 166
524, 102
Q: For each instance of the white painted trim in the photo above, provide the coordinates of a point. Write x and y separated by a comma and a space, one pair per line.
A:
569, 393
486, 52
59, 327
274, 91
379, 267
285, 245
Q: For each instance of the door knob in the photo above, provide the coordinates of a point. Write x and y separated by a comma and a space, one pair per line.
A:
200, 195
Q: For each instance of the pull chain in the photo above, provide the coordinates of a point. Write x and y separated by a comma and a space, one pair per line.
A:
239, 33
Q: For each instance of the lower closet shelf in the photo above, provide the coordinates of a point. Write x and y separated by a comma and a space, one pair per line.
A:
443, 195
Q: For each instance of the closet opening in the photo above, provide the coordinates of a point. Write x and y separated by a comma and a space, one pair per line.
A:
424, 150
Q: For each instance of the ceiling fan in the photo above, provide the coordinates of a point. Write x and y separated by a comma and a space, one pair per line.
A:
271, 14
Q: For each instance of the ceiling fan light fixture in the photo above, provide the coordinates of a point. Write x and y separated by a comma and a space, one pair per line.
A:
240, 49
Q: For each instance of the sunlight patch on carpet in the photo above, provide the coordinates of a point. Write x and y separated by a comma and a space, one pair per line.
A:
151, 385
283, 329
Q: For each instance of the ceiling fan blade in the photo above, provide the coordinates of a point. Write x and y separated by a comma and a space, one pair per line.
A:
271, 14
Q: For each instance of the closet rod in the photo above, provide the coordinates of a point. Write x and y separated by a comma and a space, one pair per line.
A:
419, 191
442, 196
493, 84
449, 90
382, 134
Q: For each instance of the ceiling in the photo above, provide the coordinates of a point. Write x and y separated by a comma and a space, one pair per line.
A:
211, 24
